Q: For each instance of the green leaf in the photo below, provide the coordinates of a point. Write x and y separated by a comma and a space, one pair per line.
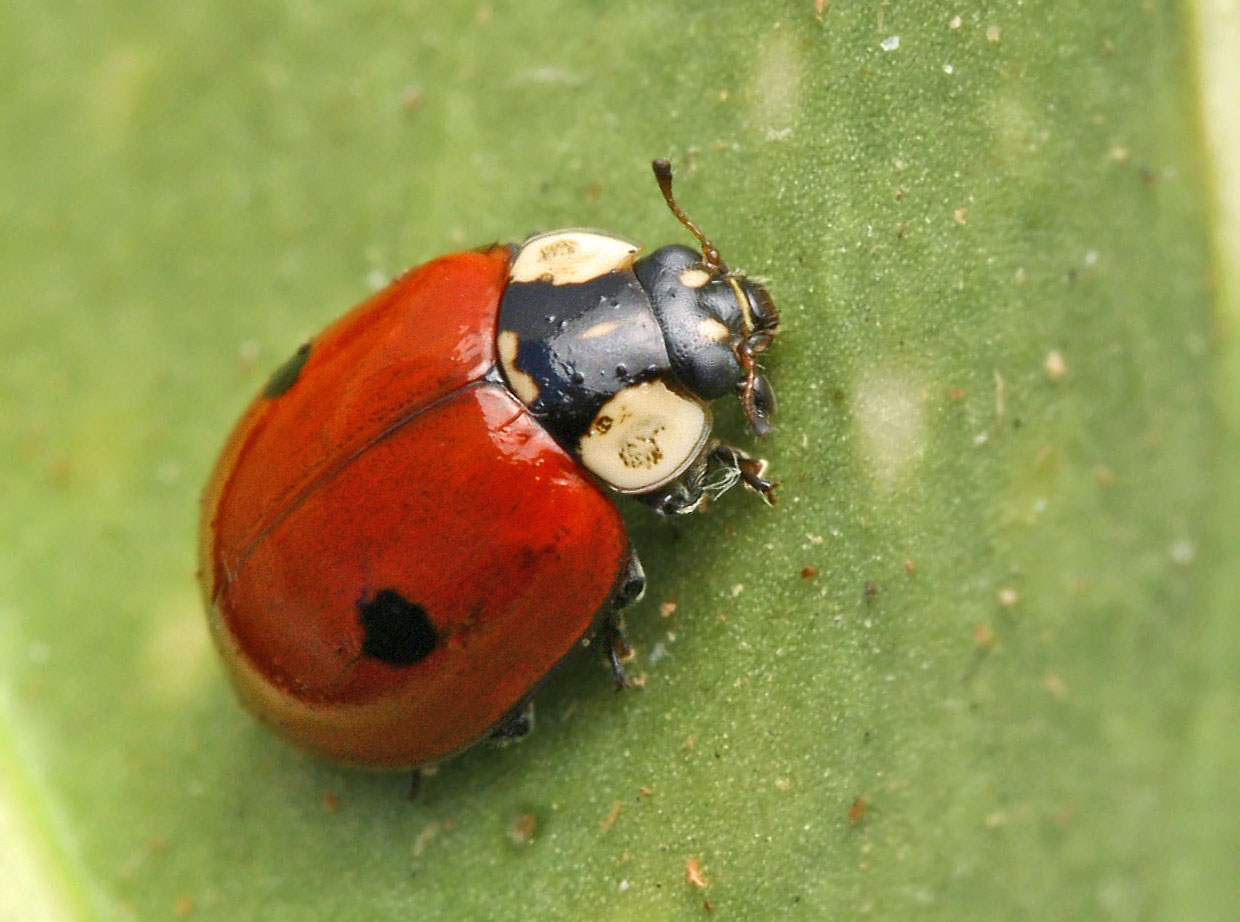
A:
980, 661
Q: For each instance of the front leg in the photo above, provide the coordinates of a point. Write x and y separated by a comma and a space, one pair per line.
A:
515, 724
615, 644
751, 470
719, 468
619, 651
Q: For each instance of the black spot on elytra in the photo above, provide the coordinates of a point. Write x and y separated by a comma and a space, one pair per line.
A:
397, 631
287, 374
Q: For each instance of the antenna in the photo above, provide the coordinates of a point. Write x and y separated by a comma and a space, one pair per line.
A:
663, 175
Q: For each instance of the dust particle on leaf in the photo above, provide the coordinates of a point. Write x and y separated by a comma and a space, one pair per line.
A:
424, 838
412, 97
693, 873
983, 636
521, 830
1054, 683
610, 819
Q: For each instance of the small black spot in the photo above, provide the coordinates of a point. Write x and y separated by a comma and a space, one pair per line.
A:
398, 632
287, 374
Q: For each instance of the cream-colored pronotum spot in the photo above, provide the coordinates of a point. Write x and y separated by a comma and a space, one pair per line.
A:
694, 277
713, 329
644, 437
606, 328
570, 257
525, 387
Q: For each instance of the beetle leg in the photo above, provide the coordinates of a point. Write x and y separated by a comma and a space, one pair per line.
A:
686, 493
632, 587
513, 725
619, 651
415, 784
719, 468
751, 470
677, 498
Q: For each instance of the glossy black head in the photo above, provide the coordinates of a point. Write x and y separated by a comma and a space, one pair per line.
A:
701, 319
716, 322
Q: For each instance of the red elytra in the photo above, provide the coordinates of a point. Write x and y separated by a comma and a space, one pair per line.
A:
326, 490
406, 533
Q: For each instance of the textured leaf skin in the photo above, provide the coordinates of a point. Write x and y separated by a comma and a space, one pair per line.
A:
1018, 641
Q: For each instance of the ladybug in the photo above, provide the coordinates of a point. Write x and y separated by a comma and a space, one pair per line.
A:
410, 526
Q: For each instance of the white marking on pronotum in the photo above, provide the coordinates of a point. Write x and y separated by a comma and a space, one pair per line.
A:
644, 437
568, 257
600, 329
525, 387
694, 277
713, 329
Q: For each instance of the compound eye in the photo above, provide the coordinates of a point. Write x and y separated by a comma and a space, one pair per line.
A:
763, 396
765, 314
